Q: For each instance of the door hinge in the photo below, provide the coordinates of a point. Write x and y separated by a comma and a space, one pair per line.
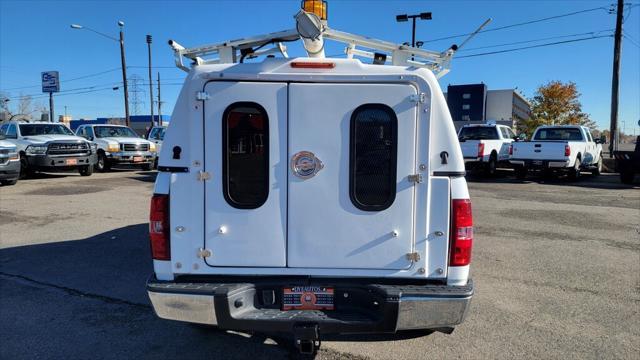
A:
415, 178
204, 253
414, 257
203, 176
420, 98
202, 95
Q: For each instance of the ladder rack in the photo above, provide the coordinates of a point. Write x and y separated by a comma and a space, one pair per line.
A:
380, 51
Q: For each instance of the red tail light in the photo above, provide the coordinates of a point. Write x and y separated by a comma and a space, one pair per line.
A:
510, 149
159, 227
480, 150
461, 233
567, 150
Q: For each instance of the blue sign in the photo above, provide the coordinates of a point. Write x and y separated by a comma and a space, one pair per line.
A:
50, 82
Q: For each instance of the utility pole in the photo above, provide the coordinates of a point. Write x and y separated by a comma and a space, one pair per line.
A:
159, 102
124, 74
615, 87
150, 80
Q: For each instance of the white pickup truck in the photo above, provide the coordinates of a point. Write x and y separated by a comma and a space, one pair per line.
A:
44, 146
569, 148
485, 146
311, 196
119, 144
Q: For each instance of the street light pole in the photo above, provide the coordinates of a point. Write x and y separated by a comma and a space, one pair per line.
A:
124, 74
149, 39
122, 61
405, 17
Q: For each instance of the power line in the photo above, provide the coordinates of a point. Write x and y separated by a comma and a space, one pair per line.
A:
631, 40
532, 47
593, 33
522, 23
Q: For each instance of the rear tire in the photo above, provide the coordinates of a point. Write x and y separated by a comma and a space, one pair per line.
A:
86, 170
521, 172
490, 169
8, 182
147, 167
574, 173
598, 170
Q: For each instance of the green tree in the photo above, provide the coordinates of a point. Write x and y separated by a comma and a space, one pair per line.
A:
556, 103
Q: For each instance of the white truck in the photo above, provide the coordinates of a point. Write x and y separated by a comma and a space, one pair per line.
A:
567, 148
9, 162
44, 146
119, 144
311, 196
485, 146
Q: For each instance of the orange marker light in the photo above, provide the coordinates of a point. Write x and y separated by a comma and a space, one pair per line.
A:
318, 7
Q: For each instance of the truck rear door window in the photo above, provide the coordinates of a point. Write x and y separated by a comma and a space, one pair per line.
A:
478, 133
245, 155
563, 134
373, 152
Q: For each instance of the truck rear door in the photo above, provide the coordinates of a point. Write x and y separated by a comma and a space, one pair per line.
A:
351, 149
245, 136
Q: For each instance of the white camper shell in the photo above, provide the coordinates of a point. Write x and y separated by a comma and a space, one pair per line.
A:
311, 196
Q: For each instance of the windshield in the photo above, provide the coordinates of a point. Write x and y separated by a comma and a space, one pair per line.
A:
565, 134
478, 133
114, 131
44, 129
157, 134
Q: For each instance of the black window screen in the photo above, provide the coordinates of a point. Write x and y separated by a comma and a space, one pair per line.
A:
245, 155
373, 152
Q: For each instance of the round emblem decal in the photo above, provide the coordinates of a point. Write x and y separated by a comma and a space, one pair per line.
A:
305, 164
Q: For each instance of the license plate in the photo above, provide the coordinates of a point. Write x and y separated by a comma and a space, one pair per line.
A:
137, 159
537, 162
307, 298
71, 162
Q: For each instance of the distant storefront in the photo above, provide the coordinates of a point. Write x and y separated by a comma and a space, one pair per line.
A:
139, 123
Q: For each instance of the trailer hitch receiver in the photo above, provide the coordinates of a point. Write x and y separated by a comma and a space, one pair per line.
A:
306, 338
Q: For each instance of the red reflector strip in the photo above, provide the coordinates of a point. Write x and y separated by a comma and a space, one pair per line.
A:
159, 227
480, 150
313, 65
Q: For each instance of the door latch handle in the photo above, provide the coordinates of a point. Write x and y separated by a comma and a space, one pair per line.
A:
444, 156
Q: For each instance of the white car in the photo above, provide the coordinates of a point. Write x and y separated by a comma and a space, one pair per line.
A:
119, 145
156, 135
311, 196
485, 146
568, 148
44, 146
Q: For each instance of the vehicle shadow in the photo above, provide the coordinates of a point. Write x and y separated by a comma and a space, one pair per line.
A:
145, 176
101, 279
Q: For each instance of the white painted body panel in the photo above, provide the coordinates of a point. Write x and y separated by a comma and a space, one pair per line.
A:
434, 133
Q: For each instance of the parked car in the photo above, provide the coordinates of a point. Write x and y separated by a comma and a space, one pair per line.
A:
9, 162
311, 196
44, 146
156, 135
628, 163
485, 146
567, 148
119, 144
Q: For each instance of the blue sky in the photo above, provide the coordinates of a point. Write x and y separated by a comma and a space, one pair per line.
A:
35, 36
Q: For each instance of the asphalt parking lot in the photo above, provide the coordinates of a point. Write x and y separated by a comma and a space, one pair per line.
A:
556, 267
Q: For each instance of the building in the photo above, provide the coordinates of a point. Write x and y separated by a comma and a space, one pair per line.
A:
138, 123
474, 104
